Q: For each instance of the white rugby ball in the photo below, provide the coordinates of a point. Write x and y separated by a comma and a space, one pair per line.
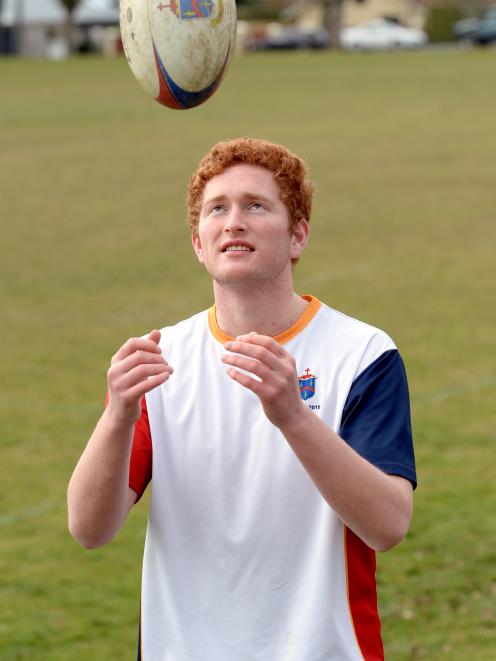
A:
178, 51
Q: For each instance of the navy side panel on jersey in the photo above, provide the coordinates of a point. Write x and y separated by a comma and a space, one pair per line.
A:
376, 417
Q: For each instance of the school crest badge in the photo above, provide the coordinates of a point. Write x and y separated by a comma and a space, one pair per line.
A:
307, 384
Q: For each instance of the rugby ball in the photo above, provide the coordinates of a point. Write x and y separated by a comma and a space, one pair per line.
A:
178, 50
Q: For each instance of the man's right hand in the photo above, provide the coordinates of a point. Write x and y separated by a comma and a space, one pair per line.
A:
136, 368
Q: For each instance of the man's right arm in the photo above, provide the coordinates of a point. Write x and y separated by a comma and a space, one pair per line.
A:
99, 496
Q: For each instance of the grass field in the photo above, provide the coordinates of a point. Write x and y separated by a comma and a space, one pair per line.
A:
95, 248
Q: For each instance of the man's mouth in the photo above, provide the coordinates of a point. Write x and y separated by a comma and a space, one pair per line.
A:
237, 249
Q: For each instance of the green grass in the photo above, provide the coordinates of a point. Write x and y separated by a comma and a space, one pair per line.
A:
95, 249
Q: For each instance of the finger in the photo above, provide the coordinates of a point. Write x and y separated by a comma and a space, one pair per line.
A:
136, 344
264, 341
255, 351
139, 357
120, 369
139, 374
252, 366
245, 380
140, 389
155, 336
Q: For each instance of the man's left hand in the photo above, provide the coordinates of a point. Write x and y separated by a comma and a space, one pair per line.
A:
277, 382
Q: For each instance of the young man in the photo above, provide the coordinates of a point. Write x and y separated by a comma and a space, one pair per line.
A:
277, 431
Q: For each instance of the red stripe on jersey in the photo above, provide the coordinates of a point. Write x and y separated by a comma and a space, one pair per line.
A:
140, 465
362, 596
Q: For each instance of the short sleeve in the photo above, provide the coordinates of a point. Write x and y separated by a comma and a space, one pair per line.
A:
376, 418
140, 465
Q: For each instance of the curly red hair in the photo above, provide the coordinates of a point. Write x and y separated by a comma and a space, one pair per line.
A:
290, 172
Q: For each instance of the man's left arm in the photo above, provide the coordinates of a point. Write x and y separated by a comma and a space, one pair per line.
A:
376, 506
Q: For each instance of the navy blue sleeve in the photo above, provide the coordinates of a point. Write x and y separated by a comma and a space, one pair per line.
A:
376, 417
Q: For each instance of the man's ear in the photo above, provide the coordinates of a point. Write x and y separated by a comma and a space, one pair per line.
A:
299, 238
197, 247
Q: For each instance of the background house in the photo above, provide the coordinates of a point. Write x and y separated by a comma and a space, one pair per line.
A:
407, 12
31, 27
39, 28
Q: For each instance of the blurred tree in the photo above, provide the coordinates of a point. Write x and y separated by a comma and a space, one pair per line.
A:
468, 7
251, 10
440, 20
332, 19
475, 7
70, 5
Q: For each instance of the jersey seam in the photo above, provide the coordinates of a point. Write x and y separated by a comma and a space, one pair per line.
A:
370, 365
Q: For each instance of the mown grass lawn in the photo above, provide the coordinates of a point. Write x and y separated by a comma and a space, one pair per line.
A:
95, 248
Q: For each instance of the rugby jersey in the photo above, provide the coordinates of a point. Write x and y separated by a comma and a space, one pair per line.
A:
244, 560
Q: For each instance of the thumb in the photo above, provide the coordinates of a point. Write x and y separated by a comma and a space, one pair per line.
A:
155, 336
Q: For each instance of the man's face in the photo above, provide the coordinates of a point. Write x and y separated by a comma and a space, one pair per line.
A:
243, 233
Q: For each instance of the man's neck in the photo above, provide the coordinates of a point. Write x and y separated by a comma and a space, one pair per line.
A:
264, 312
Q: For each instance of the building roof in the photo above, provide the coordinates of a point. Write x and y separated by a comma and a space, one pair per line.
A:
45, 12
97, 12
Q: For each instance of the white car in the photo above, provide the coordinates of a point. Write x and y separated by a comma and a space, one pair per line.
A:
381, 34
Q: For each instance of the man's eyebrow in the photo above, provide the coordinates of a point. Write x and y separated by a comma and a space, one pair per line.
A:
256, 196
215, 199
246, 195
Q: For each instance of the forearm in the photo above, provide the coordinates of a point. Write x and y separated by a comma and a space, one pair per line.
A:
98, 493
376, 506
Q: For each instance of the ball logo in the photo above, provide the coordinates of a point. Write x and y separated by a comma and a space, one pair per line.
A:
307, 384
188, 9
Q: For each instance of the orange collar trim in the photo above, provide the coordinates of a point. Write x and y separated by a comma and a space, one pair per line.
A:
308, 314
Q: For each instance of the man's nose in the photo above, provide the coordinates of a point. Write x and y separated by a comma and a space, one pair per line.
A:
235, 221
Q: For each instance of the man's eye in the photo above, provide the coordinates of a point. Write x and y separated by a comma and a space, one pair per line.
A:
257, 205
217, 209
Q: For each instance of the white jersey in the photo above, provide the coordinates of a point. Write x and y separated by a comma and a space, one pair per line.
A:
244, 560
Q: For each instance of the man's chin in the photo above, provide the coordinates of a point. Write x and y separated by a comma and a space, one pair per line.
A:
234, 274
240, 277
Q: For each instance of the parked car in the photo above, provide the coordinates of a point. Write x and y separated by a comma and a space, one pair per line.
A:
291, 38
478, 30
381, 34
